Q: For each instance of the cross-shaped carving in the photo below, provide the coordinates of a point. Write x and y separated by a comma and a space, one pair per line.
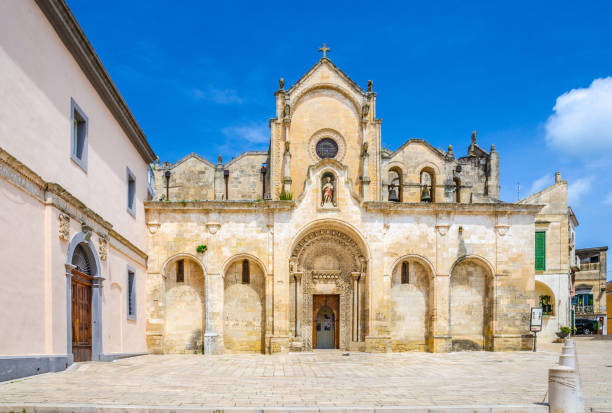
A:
324, 49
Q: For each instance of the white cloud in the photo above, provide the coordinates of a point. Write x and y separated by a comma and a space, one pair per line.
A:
582, 119
541, 183
577, 189
218, 96
252, 133
608, 199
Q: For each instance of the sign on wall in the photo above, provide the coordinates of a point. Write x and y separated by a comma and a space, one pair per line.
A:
535, 324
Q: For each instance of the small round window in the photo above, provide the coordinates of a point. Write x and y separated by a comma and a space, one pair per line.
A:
327, 148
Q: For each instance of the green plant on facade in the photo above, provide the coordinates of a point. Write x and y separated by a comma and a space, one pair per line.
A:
201, 248
286, 196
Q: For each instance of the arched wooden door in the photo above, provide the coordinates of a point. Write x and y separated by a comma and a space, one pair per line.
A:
81, 306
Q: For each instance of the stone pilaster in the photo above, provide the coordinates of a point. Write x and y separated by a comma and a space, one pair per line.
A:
213, 335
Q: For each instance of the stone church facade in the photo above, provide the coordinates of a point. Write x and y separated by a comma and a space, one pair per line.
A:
329, 240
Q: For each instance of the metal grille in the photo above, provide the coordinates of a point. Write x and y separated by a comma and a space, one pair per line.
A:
80, 260
327, 148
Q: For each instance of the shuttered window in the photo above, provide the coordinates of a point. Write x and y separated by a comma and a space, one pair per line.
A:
540, 251
131, 294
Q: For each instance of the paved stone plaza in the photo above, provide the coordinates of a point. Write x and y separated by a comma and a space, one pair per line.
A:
324, 379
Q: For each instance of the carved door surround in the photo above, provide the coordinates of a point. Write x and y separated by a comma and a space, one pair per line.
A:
324, 263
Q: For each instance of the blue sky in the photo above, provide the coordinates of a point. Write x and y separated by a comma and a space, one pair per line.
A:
200, 77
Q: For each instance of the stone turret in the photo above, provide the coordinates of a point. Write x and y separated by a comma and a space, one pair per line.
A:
493, 178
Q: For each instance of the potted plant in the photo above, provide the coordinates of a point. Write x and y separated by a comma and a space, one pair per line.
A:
564, 332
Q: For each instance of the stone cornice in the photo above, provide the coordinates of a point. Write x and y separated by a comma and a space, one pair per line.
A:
451, 207
23, 177
67, 28
216, 205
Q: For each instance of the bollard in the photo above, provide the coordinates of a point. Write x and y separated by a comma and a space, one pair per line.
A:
562, 390
567, 360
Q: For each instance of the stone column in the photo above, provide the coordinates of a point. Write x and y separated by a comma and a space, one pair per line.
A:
298, 303
219, 183
213, 335
365, 176
269, 293
287, 165
69, 268
96, 317
355, 277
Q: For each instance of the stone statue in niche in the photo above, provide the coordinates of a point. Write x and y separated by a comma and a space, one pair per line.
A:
327, 192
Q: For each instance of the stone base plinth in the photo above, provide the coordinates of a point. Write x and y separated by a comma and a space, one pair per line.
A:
377, 344
279, 344
441, 344
213, 344
513, 342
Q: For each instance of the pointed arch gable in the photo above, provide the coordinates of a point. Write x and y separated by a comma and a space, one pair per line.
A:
182, 255
413, 257
240, 257
473, 257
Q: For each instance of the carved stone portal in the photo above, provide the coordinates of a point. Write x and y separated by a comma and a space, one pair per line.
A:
327, 260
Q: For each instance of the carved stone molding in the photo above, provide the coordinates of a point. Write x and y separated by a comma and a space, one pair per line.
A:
213, 227
326, 275
153, 227
502, 229
64, 227
442, 229
103, 248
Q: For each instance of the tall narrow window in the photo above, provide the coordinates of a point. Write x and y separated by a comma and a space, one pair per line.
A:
180, 271
405, 273
78, 143
540, 251
457, 183
131, 192
131, 294
246, 275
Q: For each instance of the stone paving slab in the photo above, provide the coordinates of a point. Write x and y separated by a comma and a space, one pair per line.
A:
319, 381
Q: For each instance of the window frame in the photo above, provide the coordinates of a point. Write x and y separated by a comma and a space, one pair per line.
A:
246, 275
131, 294
151, 182
75, 109
130, 177
405, 273
180, 271
543, 267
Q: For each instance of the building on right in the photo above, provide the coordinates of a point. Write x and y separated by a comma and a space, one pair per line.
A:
589, 284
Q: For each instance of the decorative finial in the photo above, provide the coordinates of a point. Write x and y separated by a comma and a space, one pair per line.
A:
281, 83
450, 151
219, 160
324, 49
474, 137
492, 147
370, 85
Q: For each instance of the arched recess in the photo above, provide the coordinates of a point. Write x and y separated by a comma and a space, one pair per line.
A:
427, 181
81, 253
328, 266
471, 296
412, 303
545, 298
244, 308
331, 87
185, 305
395, 182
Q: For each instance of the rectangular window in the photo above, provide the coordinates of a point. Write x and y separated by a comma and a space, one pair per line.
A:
405, 273
180, 271
246, 273
151, 183
131, 192
131, 294
540, 251
78, 143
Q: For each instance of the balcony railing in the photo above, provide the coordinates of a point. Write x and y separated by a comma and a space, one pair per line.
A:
589, 266
584, 309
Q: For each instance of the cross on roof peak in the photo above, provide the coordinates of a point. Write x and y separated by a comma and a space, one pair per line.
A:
324, 49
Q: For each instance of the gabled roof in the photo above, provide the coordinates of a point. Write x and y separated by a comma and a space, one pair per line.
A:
531, 197
437, 151
192, 155
325, 60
